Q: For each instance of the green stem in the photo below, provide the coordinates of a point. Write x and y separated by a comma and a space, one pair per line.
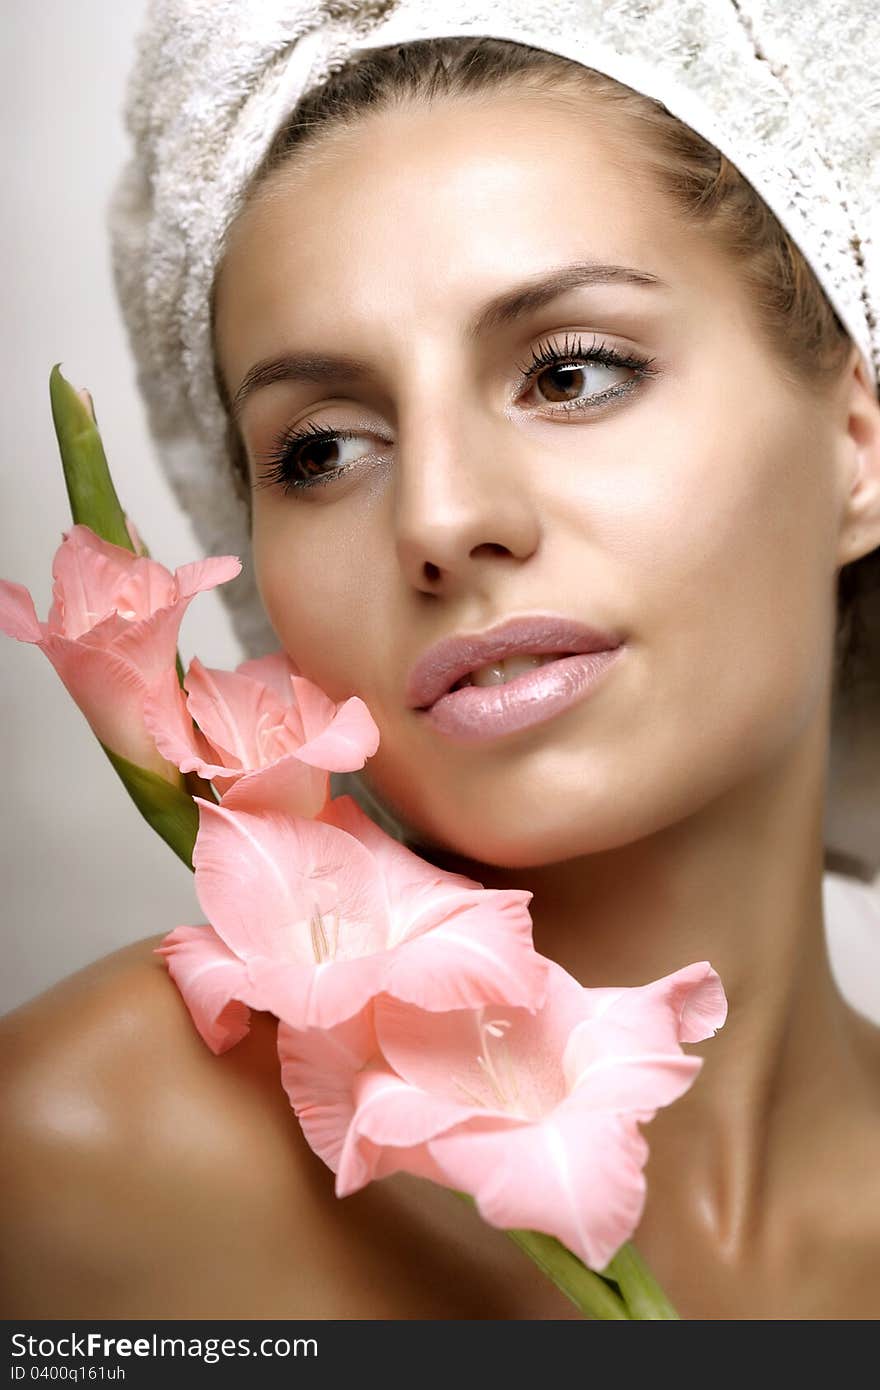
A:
644, 1296
93, 499
94, 503
589, 1292
168, 808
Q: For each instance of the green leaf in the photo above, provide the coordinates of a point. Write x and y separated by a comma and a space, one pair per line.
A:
93, 499
170, 810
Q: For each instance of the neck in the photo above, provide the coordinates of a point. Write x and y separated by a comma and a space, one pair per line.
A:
738, 884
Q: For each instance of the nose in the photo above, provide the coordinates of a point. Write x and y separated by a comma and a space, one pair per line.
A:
462, 499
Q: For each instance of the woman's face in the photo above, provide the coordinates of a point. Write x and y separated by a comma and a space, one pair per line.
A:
692, 508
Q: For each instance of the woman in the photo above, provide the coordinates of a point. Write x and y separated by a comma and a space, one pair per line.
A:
589, 384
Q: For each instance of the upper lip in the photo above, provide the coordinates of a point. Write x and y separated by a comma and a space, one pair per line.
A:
448, 660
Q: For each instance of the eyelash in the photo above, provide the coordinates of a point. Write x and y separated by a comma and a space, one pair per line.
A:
280, 461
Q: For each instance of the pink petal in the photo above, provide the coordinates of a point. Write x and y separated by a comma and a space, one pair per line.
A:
213, 983
493, 1058
356, 1165
171, 727
404, 1117
105, 632
287, 785
134, 535
362, 1162
150, 644
626, 1053
465, 945
111, 696
698, 995
316, 996
144, 589
392, 858
423, 895
393, 1114
316, 709
480, 953
261, 877
251, 728
346, 742
577, 1176
318, 1070
275, 671
686, 1006
611, 1074
18, 617
355, 736
230, 709
93, 578
194, 578
308, 995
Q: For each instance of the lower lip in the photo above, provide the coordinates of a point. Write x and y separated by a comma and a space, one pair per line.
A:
479, 712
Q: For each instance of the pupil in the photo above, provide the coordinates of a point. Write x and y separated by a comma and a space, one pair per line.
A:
309, 450
569, 387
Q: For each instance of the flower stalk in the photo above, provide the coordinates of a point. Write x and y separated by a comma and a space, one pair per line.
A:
625, 1290
168, 807
588, 1291
169, 810
643, 1295
379, 1062
93, 499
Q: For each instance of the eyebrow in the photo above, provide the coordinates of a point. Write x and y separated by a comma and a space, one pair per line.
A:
497, 313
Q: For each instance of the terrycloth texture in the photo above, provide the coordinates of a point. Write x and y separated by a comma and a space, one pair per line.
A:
790, 92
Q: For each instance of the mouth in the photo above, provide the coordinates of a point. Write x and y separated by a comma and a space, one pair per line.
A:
487, 709
501, 655
508, 669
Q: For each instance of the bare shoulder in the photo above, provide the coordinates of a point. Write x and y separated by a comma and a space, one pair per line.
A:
109, 1057
137, 1164
144, 1177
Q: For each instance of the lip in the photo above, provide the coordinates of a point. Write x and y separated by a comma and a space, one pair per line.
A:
478, 713
537, 633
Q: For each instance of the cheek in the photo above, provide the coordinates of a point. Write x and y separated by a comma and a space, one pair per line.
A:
319, 589
729, 548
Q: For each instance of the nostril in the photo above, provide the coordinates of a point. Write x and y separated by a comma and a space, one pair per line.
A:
492, 548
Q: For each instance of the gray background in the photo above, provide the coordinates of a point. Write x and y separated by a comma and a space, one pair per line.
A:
81, 872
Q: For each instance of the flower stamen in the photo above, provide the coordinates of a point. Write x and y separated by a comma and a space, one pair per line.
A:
320, 945
504, 1087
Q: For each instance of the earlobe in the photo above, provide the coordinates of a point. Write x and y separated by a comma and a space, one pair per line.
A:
860, 528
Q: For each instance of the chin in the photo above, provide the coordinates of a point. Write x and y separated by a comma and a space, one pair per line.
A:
507, 836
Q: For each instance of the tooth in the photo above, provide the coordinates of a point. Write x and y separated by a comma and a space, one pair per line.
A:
499, 672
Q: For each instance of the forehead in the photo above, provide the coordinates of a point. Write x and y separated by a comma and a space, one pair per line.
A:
422, 210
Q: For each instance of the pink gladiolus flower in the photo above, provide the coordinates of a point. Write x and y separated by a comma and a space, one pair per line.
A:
312, 918
535, 1115
213, 982
266, 737
112, 631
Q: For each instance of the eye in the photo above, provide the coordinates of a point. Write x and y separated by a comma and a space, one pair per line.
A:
564, 374
315, 455
309, 457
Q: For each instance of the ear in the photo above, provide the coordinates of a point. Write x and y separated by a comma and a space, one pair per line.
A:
860, 522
